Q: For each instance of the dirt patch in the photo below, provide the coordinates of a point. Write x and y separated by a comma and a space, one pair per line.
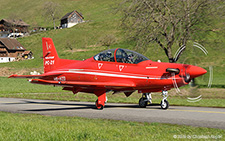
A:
7, 71
93, 46
77, 50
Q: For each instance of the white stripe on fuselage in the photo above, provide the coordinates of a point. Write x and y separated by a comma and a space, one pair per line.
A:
81, 71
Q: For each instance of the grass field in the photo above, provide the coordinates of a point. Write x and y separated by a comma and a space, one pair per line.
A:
38, 127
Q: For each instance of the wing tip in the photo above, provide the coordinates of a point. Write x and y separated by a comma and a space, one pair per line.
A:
12, 76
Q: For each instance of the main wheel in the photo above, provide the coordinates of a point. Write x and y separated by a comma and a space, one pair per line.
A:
98, 106
164, 105
142, 103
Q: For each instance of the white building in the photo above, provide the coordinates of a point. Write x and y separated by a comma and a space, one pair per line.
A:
71, 19
10, 49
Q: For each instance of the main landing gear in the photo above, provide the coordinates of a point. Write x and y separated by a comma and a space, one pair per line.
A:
147, 98
99, 106
101, 101
143, 101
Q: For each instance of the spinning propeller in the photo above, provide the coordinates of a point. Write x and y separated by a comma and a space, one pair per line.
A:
189, 72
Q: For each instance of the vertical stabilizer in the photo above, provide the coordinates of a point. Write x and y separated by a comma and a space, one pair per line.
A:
50, 56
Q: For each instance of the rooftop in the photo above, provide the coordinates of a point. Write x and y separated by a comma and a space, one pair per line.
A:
11, 44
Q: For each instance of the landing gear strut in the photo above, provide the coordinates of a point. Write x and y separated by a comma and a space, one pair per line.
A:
164, 103
143, 101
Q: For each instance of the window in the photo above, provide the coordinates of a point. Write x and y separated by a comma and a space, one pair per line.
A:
107, 55
128, 56
122, 56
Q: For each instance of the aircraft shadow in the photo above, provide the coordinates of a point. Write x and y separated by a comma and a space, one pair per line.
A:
78, 106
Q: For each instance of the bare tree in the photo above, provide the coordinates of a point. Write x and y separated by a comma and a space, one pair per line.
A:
166, 22
107, 40
70, 44
52, 11
13, 17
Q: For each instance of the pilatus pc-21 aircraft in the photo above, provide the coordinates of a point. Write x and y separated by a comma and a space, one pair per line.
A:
117, 70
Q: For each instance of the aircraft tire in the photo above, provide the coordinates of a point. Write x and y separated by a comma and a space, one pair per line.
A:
142, 103
165, 106
98, 106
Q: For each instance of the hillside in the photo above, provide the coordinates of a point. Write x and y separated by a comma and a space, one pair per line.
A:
83, 40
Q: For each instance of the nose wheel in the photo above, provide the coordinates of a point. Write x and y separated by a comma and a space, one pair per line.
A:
164, 103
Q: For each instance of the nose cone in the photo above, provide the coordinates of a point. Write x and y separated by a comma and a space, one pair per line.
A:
195, 71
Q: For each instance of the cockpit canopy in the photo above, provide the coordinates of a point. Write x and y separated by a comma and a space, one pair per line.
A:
120, 55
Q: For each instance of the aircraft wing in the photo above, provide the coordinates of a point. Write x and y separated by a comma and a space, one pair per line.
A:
80, 83
35, 76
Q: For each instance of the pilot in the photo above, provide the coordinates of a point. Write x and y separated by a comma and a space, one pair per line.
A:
101, 57
110, 57
109, 54
124, 56
131, 58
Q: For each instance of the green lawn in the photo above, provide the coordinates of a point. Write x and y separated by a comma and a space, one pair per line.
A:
37, 127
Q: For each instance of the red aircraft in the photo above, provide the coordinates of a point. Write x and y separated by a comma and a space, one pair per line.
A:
117, 70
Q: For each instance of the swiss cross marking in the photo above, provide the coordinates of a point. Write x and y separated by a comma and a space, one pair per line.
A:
48, 46
100, 65
121, 67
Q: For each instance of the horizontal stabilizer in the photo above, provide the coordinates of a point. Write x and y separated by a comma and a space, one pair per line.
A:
25, 76
35, 76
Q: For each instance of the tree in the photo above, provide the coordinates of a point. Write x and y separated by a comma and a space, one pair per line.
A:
14, 18
108, 40
52, 11
70, 44
165, 22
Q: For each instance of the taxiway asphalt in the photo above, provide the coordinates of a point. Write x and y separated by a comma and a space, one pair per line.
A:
193, 116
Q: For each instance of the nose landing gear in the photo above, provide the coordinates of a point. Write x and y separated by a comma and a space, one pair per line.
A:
164, 103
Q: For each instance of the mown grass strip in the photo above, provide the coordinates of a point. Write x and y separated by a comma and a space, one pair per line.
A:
38, 127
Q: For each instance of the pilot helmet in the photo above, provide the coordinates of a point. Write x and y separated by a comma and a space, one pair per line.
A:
109, 54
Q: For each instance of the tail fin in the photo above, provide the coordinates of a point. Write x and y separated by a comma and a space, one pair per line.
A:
50, 56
